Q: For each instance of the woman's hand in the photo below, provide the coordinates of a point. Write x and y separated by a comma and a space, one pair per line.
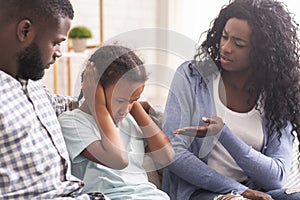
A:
248, 194
256, 195
212, 127
229, 197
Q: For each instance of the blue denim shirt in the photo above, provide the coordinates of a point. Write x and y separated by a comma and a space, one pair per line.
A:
189, 99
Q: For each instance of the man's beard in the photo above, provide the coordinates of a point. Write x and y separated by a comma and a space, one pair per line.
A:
30, 63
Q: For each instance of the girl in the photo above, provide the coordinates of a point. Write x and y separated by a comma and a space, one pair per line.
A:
106, 137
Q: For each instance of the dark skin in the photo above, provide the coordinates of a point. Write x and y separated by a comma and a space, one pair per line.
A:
249, 194
233, 93
213, 126
13, 45
16, 35
109, 106
234, 50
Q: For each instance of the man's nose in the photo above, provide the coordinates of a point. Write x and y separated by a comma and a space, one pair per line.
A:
58, 52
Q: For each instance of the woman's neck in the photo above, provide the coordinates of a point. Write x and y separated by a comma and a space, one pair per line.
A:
233, 92
235, 80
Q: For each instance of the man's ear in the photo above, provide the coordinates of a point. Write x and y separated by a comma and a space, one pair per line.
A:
25, 31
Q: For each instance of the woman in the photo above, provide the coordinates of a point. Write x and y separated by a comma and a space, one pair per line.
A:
246, 72
109, 133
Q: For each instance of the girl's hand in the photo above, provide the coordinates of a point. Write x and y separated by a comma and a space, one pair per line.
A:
212, 127
100, 96
147, 107
89, 85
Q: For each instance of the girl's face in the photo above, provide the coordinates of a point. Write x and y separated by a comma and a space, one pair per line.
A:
235, 45
121, 96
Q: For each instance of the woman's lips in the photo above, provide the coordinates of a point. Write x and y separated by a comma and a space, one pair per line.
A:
225, 60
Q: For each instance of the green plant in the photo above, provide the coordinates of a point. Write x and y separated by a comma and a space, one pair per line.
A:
78, 32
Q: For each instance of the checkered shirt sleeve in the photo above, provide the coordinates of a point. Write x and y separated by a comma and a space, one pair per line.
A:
60, 103
34, 160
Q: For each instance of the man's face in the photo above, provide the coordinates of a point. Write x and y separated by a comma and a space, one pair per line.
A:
43, 51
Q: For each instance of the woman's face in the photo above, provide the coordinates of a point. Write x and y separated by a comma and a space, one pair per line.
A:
235, 45
121, 96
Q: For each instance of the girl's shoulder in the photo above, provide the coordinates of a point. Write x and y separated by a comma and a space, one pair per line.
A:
75, 116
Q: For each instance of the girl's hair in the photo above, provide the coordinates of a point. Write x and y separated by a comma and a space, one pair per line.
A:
114, 62
274, 57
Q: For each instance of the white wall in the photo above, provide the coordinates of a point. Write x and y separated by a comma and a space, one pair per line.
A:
119, 16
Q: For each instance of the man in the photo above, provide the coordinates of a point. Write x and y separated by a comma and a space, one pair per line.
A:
34, 161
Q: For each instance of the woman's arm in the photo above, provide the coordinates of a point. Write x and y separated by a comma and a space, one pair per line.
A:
188, 163
187, 102
267, 170
158, 143
272, 166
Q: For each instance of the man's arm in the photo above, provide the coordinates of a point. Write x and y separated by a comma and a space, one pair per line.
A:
60, 103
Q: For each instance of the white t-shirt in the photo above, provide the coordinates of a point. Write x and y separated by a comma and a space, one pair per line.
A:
80, 130
247, 126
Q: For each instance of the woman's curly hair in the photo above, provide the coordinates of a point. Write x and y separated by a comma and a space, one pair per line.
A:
274, 57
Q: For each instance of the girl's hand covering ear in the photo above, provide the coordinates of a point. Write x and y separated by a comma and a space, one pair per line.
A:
90, 84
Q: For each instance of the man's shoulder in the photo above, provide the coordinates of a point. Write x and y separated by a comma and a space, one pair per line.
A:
10, 90
8, 82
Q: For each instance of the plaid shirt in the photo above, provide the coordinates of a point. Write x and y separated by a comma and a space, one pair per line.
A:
34, 160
